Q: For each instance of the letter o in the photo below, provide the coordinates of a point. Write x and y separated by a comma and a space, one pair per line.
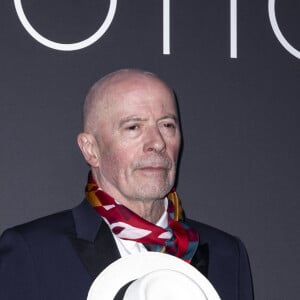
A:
72, 46
278, 33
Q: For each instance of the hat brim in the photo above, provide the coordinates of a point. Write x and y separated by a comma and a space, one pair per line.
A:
126, 269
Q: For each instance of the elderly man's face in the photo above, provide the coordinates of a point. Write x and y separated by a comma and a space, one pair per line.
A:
138, 138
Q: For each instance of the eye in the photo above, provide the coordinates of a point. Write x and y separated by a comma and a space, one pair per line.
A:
168, 128
133, 127
169, 125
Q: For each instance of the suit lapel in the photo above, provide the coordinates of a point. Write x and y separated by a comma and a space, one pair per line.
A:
201, 258
93, 242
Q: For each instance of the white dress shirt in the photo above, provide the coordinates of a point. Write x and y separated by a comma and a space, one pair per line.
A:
131, 247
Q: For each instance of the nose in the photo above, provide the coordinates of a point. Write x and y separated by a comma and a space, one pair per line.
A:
154, 141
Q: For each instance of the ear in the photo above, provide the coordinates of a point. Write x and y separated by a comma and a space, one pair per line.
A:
89, 148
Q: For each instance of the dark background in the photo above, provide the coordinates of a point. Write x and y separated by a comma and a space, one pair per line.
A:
240, 117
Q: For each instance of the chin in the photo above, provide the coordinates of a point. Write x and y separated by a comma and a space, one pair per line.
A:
152, 192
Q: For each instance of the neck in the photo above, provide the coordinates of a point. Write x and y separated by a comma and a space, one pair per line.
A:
150, 210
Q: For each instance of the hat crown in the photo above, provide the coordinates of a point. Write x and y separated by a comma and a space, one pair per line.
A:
164, 284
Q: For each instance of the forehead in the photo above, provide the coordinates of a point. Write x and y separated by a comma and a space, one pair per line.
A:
139, 95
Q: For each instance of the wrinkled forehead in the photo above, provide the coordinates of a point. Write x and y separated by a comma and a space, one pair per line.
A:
128, 84
137, 89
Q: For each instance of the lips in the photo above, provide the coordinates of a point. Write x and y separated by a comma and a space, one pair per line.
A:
153, 172
154, 168
154, 165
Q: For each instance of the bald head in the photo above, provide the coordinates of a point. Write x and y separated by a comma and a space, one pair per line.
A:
111, 87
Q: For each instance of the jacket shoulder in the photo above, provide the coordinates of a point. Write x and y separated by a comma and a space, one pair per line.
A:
218, 240
60, 223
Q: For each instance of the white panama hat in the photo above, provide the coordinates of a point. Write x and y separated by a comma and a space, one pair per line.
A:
152, 276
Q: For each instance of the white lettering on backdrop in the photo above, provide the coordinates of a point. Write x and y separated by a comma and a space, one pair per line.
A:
66, 47
166, 29
278, 32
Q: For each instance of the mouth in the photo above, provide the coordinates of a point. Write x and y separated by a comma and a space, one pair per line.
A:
153, 165
153, 168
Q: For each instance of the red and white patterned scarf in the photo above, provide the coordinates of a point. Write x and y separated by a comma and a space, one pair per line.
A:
177, 239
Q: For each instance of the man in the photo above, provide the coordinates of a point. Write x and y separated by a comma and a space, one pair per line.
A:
131, 141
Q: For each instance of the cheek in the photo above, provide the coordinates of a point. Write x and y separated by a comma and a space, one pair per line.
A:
174, 149
116, 159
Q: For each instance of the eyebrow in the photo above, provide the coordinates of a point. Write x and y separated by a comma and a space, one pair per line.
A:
169, 116
139, 119
130, 119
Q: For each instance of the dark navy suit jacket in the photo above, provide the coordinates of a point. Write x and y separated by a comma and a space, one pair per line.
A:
59, 256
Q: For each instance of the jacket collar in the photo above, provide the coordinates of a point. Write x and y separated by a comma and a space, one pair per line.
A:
97, 248
93, 242
87, 221
201, 258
